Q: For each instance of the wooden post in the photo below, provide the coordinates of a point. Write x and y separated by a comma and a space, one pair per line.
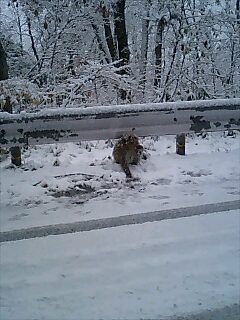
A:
7, 107
180, 144
16, 156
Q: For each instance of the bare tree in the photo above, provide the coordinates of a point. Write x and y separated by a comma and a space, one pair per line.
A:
144, 44
3, 63
108, 32
159, 51
121, 32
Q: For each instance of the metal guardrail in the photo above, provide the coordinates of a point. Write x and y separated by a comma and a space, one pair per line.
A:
105, 122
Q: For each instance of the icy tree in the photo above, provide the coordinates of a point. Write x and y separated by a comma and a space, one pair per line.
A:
90, 52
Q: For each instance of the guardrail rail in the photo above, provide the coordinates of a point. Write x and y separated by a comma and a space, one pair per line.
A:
110, 122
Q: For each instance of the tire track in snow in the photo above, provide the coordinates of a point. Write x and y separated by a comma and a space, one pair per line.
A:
88, 225
231, 312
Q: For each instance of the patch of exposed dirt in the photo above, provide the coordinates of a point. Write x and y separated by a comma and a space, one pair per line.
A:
77, 190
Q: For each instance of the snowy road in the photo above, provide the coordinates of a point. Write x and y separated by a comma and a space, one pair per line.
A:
116, 221
171, 269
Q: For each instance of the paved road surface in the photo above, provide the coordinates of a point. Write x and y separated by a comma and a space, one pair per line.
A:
89, 225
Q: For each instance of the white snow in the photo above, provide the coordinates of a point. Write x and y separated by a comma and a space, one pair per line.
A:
150, 271
125, 108
208, 173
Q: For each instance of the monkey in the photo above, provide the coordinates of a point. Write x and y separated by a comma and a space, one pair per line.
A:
127, 151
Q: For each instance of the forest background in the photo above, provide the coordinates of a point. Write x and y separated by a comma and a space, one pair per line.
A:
104, 52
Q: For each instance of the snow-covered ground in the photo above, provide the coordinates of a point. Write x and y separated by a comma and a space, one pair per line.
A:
208, 173
150, 271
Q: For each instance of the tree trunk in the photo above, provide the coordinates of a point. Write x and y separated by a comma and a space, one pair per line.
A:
144, 45
122, 41
165, 96
99, 40
3, 63
238, 11
121, 32
158, 52
108, 33
70, 66
32, 39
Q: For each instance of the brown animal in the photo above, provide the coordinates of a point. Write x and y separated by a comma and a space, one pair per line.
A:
127, 151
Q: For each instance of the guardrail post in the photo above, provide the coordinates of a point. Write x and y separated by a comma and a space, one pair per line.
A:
180, 144
16, 158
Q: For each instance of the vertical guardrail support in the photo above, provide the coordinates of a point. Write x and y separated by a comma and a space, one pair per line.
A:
16, 157
180, 144
15, 151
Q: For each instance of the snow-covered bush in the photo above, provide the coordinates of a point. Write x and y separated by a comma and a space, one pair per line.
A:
19, 94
